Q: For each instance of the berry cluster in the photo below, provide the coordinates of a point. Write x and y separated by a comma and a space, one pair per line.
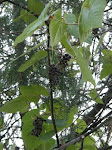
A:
37, 123
64, 60
54, 75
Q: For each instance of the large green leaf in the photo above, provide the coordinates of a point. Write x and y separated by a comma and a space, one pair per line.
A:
95, 96
106, 70
35, 6
34, 59
72, 29
29, 94
1, 146
46, 145
33, 26
33, 90
1, 122
15, 105
89, 147
66, 44
71, 114
72, 147
107, 63
57, 28
81, 125
90, 17
28, 51
89, 140
69, 18
27, 16
87, 75
31, 141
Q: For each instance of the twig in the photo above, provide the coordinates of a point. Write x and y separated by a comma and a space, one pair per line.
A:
71, 142
17, 4
51, 92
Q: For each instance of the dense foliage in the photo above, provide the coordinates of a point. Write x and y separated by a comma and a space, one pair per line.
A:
56, 80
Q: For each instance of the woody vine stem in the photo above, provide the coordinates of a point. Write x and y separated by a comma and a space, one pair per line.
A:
51, 90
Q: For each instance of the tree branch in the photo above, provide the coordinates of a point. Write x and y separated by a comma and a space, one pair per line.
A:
51, 92
71, 142
17, 4
90, 116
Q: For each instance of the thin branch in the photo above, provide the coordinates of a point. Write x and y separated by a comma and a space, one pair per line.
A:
51, 92
108, 9
71, 142
17, 4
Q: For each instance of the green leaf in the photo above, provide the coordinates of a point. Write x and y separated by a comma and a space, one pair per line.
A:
69, 18
34, 59
71, 114
94, 95
66, 44
87, 75
1, 146
35, 6
89, 147
33, 26
27, 16
1, 122
15, 105
29, 94
72, 147
89, 140
100, 42
33, 90
31, 141
81, 125
106, 70
46, 145
73, 30
107, 63
90, 17
57, 28
28, 51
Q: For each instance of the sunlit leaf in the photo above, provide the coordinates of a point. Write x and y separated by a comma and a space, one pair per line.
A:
87, 75
81, 125
72, 147
46, 145
45, 135
33, 26
67, 45
29, 94
69, 18
95, 96
34, 59
15, 105
57, 28
27, 16
90, 17
35, 6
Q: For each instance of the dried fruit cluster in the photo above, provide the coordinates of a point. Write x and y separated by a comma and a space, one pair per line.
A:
64, 60
55, 73
37, 123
